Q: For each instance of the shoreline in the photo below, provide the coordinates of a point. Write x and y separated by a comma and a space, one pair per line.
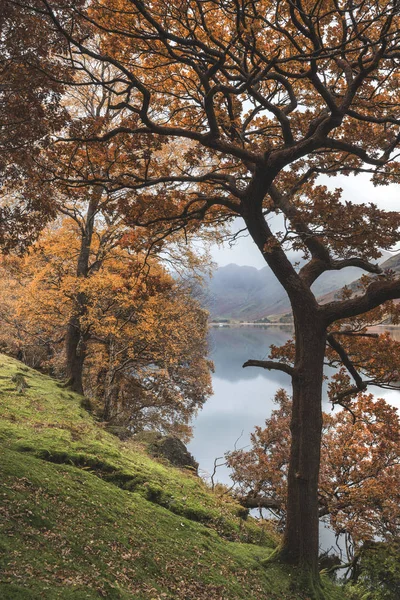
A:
252, 323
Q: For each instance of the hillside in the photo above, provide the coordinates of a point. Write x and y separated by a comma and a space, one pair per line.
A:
245, 293
87, 516
393, 264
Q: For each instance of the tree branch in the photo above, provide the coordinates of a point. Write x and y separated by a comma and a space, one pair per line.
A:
270, 365
269, 503
344, 357
338, 265
259, 502
376, 294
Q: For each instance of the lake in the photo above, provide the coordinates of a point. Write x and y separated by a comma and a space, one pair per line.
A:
243, 398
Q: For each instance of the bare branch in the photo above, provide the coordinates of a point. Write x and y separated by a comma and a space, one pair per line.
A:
270, 366
344, 357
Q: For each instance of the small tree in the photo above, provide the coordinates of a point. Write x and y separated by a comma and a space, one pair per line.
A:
145, 356
359, 476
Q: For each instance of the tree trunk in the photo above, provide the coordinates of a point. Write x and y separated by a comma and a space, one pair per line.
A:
110, 400
301, 538
75, 352
76, 339
110, 390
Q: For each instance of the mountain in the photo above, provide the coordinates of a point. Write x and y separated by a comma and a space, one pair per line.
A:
245, 293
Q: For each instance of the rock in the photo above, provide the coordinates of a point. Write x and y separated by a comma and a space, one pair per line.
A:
175, 451
20, 382
169, 447
148, 437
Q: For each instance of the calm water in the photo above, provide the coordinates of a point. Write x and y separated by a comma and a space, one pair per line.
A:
243, 398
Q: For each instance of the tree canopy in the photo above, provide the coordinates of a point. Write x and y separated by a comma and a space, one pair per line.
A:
30, 112
145, 357
251, 102
360, 469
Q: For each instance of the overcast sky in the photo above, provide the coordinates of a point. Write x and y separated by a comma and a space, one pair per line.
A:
357, 189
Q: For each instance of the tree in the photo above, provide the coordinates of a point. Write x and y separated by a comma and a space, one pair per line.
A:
30, 112
265, 97
145, 335
359, 476
377, 576
91, 209
70, 167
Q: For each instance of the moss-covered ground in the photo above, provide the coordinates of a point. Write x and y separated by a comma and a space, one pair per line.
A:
84, 515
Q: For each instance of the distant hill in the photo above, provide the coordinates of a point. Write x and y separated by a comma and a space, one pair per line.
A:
392, 263
245, 293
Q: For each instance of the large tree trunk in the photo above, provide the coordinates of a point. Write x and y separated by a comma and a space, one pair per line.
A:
301, 539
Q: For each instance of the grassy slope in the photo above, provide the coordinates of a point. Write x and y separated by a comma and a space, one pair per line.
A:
83, 515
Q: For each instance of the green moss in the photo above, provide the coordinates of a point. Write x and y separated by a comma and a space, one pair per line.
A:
84, 515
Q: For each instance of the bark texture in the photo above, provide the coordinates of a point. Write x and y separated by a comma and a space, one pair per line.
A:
300, 543
77, 338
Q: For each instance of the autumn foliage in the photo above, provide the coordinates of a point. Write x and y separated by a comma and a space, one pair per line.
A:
359, 486
31, 111
220, 109
145, 362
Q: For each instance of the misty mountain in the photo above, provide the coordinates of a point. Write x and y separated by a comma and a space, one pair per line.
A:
245, 293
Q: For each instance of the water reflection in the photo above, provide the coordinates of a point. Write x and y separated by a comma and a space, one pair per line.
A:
243, 398
232, 346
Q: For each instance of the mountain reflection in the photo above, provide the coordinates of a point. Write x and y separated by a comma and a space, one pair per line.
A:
230, 347
242, 398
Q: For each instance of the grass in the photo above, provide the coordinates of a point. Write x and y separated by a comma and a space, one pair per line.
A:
85, 516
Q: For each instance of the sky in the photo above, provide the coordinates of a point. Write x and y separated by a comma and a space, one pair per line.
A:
355, 188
